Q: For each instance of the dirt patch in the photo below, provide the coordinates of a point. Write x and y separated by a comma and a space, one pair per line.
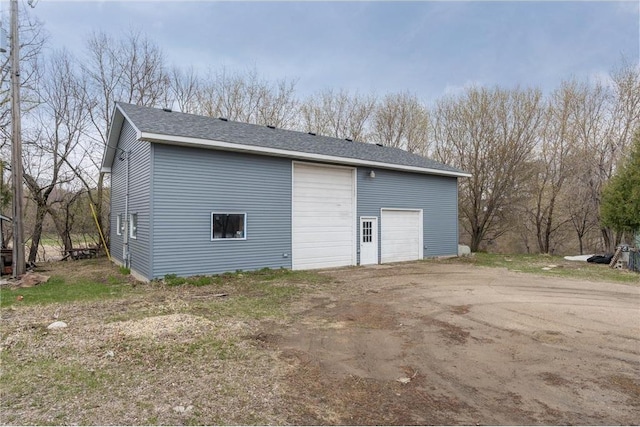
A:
355, 400
461, 309
366, 314
554, 379
628, 386
548, 336
454, 334
471, 343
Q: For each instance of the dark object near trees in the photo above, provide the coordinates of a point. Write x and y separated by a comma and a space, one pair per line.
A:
600, 259
80, 253
634, 260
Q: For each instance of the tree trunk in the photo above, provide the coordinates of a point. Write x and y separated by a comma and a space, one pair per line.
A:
581, 244
608, 239
476, 239
37, 233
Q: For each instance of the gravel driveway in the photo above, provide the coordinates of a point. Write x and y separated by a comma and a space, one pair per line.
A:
431, 343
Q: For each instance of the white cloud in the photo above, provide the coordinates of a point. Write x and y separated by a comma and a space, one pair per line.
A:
455, 90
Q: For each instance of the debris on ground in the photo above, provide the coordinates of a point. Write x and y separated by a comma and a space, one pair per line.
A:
407, 380
181, 409
28, 280
600, 259
57, 325
578, 257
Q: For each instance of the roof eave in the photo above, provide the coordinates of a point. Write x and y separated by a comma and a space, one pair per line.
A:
228, 146
117, 120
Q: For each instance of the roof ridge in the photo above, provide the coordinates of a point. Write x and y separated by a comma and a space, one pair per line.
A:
158, 121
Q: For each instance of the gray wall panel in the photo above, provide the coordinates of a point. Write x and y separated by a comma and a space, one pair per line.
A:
190, 183
139, 198
435, 195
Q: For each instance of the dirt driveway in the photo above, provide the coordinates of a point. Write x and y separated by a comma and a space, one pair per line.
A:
431, 343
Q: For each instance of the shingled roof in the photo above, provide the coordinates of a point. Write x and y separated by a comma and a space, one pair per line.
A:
167, 127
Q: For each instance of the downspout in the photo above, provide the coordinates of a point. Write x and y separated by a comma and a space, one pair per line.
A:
126, 254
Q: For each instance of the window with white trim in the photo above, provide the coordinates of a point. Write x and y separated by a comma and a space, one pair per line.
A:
228, 225
133, 226
119, 225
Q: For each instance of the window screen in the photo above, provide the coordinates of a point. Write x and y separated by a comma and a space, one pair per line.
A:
119, 225
133, 226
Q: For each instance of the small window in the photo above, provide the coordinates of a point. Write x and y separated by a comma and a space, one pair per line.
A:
119, 225
228, 225
367, 231
133, 226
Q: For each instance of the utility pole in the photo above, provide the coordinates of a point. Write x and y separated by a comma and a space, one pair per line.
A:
19, 265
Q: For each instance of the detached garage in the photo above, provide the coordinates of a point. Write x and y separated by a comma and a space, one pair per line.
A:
195, 195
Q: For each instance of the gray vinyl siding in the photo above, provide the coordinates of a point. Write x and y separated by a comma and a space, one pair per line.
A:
191, 183
437, 196
139, 198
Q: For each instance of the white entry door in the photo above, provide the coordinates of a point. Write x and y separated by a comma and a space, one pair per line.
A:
368, 240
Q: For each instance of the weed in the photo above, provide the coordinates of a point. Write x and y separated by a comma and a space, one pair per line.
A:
125, 271
174, 280
202, 280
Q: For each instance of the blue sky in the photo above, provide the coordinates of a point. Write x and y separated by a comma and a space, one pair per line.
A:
427, 48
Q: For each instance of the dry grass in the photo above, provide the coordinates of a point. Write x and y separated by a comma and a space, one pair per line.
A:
549, 265
151, 354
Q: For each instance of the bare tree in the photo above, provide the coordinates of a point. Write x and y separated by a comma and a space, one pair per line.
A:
491, 134
32, 40
131, 69
338, 114
185, 85
62, 120
401, 121
553, 166
605, 115
581, 209
248, 98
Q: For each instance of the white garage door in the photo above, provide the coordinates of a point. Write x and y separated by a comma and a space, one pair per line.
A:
401, 232
323, 223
